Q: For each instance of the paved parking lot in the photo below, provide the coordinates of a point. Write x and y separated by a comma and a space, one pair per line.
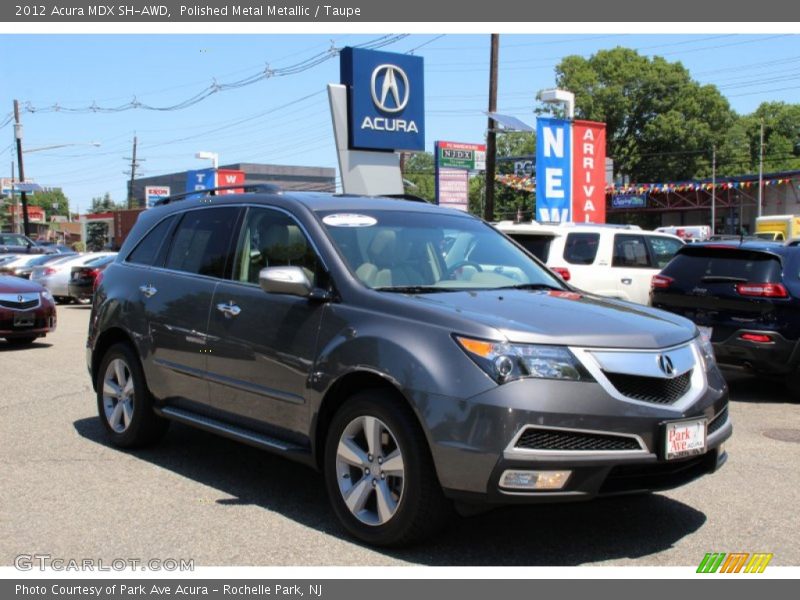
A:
67, 494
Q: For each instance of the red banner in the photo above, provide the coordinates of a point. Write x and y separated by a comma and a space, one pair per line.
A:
227, 177
588, 172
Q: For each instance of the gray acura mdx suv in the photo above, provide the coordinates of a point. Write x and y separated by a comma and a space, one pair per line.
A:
415, 355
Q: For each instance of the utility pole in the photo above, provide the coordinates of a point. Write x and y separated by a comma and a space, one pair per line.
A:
132, 172
760, 170
23, 196
713, 187
491, 135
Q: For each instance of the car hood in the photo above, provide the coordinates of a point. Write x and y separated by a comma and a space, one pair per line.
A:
16, 285
565, 318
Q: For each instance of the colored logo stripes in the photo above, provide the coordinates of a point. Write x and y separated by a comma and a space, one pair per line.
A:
734, 562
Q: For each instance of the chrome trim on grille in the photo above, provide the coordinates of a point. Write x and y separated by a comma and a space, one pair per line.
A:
512, 452
629, 360
17, 301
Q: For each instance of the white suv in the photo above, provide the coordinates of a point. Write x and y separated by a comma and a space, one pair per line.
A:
610, 260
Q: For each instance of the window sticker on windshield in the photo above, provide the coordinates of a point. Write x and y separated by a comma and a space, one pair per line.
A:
349, 220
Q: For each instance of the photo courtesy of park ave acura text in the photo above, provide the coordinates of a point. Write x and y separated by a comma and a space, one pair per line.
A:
362, 299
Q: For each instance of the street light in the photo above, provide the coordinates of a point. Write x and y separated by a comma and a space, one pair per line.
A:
54, 146
560, 97
213, 157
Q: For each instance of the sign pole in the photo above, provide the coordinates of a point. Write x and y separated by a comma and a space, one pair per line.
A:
23, 196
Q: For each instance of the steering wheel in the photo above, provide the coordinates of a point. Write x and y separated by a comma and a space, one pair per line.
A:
464, 263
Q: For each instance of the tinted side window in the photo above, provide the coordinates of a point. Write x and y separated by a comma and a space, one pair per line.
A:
538, 245
202, 242
271, 238
630, 251
147, 250
662, 250
581, 248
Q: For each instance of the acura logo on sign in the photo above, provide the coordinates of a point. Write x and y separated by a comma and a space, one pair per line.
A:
666, 366
389, 88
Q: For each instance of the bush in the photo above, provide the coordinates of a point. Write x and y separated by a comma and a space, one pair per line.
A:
78, 246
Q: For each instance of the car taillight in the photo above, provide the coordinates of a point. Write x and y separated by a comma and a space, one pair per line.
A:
49, 271
660, 282
762, 290
760, 338
562, 272
98, 278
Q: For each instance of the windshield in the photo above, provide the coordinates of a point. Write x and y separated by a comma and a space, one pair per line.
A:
426, 252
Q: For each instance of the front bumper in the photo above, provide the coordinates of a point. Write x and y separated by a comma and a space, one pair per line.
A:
474, 441
43, 322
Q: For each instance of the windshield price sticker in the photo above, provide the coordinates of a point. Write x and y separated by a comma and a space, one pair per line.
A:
349, 220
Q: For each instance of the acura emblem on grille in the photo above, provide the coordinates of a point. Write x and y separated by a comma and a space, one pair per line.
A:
20, 299
666, 366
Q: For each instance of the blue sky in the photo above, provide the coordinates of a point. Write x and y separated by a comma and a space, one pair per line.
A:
286, 120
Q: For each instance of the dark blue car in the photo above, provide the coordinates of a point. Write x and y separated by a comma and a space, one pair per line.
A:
746, 297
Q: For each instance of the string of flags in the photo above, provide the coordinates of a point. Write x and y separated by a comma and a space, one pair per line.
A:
528, 184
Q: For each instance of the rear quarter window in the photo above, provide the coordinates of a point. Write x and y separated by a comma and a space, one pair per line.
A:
538, 245
581, 248
662, 250
147, 250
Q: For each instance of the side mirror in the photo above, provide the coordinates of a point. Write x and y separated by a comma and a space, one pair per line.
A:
285, 280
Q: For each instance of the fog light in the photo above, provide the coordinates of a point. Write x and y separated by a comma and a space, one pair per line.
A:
534, 480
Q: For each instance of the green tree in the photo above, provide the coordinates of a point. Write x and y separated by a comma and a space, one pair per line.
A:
781, 140
96, 234
660, 123
48, 199
104, 204
419, 172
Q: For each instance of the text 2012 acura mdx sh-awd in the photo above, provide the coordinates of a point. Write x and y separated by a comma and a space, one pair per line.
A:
414, 354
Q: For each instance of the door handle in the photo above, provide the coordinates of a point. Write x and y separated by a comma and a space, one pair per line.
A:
626, 281
230, 310
148, 290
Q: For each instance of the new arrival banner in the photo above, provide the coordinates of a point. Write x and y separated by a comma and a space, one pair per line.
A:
588, 169
553, 166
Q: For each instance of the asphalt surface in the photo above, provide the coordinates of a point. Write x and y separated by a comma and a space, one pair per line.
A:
68, 494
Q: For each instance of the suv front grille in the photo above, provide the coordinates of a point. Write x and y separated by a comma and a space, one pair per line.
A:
547, 439
651, 389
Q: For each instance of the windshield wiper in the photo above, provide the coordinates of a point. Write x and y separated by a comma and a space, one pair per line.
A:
531, 286
722, 278
414, 289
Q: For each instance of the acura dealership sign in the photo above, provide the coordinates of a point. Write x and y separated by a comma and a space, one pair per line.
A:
386, 100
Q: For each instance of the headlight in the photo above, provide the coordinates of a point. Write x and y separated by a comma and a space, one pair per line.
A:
706, 351
505, 362
47, 295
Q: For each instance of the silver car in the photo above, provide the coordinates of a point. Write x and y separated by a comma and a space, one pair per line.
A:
55, 275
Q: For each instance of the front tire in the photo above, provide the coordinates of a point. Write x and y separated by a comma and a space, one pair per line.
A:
379, 473
124, 404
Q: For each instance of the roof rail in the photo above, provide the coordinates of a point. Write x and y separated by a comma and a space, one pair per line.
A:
248, 188
411, 197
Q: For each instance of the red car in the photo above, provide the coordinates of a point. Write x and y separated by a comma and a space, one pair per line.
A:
27, 311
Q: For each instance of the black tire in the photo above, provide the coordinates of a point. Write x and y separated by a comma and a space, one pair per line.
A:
19, 342
62, 299
144, 427
422, 508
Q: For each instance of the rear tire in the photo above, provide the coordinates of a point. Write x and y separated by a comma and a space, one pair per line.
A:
379, 472
124, 403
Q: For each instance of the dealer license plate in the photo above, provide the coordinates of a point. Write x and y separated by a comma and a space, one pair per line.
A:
23, 320
685, 438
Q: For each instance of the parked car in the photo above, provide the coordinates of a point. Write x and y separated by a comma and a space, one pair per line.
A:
27, 311
617, 261
24, 264
331, 330
56, 247
83, 278
55, 275
16, 243
746, 300
688, 233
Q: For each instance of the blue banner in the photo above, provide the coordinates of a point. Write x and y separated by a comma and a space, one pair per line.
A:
386, 99
553, 171
202, 179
